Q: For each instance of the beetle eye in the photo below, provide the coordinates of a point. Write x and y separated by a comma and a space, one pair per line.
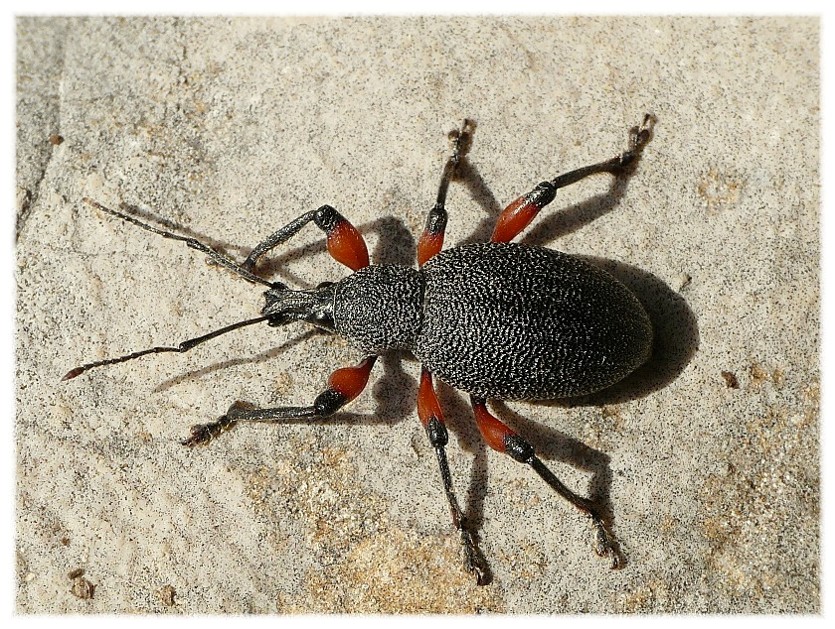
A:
324, 284
277, 320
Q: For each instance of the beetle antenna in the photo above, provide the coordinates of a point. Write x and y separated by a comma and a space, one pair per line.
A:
214, 254
182, 347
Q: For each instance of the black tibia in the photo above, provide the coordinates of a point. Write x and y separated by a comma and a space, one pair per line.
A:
500, 437
325, 218
474, 560
518, 215
605, 543
191, 242
344, 385
461, 141
326, 403
638, 138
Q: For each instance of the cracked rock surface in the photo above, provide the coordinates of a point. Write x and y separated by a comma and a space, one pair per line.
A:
224, 129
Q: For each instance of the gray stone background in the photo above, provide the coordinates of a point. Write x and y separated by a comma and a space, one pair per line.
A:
706, 460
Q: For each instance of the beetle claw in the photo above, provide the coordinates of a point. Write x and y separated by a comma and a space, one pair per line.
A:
473, 559
481, 575
606, 546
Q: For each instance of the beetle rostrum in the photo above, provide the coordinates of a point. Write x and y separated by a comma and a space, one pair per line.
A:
497, 320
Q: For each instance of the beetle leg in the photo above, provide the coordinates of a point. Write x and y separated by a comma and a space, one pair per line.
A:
431, 416
432, 238
518, 215
345, 244
343, 386
502, 439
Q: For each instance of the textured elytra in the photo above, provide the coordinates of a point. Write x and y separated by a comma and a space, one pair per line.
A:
500, 320
514, 322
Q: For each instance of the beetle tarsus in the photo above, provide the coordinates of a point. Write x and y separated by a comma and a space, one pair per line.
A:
639, 137
606, 545
461, 139
202, 434
473, 559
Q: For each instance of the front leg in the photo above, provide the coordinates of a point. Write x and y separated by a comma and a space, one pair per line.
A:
345, 244
343, 386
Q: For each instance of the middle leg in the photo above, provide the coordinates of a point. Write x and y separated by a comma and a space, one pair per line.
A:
432, 239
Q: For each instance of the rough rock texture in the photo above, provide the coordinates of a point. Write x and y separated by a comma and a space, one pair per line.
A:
706, 460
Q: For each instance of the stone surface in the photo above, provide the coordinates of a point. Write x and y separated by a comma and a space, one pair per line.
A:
706, 460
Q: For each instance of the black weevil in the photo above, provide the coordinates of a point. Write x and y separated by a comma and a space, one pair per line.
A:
497, 320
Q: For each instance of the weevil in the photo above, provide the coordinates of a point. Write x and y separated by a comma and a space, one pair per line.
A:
497, 320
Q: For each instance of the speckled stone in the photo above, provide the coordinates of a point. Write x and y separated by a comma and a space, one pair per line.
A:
228, 128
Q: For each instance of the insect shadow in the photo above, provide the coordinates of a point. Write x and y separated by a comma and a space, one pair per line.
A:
676, 340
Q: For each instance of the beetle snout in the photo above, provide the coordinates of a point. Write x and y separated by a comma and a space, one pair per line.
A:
284, 305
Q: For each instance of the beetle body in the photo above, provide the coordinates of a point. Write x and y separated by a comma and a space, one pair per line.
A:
500, 320
497, 320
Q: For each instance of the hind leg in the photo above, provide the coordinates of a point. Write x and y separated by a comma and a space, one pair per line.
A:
518, 215
502, 439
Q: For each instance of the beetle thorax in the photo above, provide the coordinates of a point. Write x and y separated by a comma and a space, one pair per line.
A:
380, 308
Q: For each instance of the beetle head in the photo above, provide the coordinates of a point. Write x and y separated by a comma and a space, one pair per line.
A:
284, 305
